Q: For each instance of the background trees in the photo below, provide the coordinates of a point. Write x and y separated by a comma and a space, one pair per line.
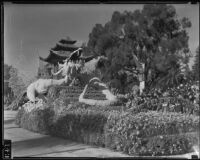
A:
16, 82
195, 67
154, 34
7, 89
8, 93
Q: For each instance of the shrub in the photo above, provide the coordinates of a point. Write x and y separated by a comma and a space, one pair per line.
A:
129, 133
169, 104
135, 134
169, 144
82, 125
36, 120
136, 130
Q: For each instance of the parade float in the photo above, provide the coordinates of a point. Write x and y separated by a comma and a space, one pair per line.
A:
77, 105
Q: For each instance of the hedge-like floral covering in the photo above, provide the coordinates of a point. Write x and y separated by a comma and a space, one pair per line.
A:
115, 127
183, 99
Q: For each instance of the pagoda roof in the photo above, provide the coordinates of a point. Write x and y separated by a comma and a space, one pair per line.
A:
67, 40
54, 57
64, 47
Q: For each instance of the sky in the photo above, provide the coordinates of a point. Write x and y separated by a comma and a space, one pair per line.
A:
30, 30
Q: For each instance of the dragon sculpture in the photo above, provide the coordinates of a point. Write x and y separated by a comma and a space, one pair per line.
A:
73, 67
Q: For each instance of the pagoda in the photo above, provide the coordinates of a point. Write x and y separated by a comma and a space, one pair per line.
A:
60, 52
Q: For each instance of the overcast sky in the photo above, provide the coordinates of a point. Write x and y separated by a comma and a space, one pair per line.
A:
30, 30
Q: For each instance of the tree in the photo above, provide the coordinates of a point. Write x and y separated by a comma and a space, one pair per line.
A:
16, 82
154, 34
195, 67
6, 71
7, 89
174, 75
8, 93
93, 37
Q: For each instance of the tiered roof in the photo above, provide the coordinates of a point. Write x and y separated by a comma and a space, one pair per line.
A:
54, 57
64, 47
61, 51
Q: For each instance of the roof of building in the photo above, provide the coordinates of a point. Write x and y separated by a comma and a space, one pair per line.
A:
64, 47
63, 50
54, 57
67, 40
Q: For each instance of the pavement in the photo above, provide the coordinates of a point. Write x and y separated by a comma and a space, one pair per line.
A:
29, 144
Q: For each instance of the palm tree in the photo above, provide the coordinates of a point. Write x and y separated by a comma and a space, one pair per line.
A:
173, 74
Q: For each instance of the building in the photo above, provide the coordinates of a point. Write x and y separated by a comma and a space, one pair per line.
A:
60, 52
